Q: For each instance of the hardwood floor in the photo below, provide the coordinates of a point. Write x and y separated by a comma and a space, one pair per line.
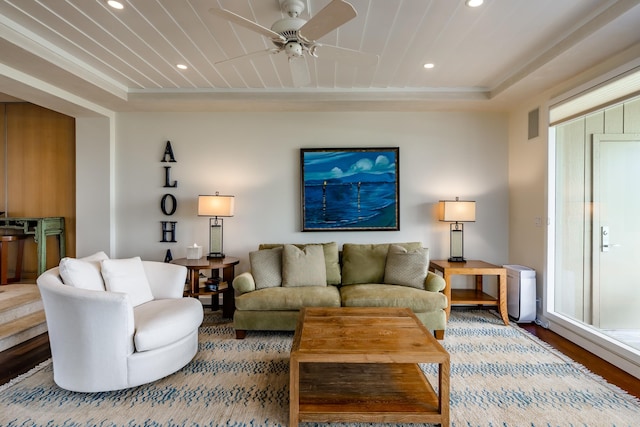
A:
22, 358
592, 362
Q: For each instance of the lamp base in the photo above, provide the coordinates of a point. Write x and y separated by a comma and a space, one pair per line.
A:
457, 259
215, 255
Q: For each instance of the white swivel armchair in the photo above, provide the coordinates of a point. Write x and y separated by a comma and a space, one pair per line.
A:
105, 336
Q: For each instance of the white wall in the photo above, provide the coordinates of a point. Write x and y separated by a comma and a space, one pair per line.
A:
256, 157
528, 218
93, 185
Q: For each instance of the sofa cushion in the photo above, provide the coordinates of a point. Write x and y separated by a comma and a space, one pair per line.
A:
406, 268
266, 267
380, 295
163, 322
128, 276
365, 263
278, 299
303, 267
331, 259
83, 273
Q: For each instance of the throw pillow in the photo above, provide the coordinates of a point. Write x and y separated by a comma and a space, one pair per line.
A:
128, 276
266, 267
331, 259
303, 267
365, 263
406, 268
83, 273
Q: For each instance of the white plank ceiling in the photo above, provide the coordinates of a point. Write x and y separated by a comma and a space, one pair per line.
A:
126, 59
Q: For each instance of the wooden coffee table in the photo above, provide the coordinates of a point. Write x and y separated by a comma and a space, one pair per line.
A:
361, 365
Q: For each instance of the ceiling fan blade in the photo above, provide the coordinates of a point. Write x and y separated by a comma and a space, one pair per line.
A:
348, 56
244, 22
247, 56
328, 19
299, 71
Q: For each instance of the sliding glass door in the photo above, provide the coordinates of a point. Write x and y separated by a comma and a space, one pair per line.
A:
597, 223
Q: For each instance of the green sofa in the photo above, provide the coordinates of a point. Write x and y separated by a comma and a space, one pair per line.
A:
285, 278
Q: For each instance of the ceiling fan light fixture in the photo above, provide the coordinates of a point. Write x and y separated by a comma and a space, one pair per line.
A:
293, 49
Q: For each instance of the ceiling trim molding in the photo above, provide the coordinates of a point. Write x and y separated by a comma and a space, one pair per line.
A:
309, 102
317, 95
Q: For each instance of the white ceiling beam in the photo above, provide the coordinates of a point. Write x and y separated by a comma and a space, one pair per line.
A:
35, 45
596, 23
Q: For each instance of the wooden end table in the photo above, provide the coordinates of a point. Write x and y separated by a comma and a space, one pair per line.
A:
473, 296
355, 364
227, 265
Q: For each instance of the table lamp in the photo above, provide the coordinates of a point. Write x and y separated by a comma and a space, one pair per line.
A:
215, 207
457, 211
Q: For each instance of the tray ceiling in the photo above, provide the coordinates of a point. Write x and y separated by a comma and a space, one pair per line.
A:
126, 59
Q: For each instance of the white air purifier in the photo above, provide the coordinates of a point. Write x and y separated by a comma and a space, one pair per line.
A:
521, 293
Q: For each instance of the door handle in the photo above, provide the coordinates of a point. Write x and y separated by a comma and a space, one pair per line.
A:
604, 238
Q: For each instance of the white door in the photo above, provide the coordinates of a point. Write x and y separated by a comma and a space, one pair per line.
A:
616, 231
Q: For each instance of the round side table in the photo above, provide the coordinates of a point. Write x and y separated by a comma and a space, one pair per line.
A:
227, 265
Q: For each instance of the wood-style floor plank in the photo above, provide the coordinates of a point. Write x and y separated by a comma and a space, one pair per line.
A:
23, 357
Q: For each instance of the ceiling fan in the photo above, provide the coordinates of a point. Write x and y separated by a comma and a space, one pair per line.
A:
296, 37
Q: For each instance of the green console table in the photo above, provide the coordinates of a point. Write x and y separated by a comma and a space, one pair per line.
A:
40, 228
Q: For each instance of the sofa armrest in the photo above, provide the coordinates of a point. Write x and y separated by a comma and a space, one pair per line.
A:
434, 282
244, 283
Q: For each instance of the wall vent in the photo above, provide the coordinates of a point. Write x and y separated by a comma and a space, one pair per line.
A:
534, 123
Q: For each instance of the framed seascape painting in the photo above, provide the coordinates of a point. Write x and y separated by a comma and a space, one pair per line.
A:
350, 189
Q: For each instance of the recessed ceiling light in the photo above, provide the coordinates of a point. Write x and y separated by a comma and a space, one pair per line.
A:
428, 65
115, 4
474, 3
182, 66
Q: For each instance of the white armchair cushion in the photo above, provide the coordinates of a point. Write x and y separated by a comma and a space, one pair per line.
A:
128, 276
163, 322
83, 273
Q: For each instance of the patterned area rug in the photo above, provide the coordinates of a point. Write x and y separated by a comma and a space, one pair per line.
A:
500, 376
